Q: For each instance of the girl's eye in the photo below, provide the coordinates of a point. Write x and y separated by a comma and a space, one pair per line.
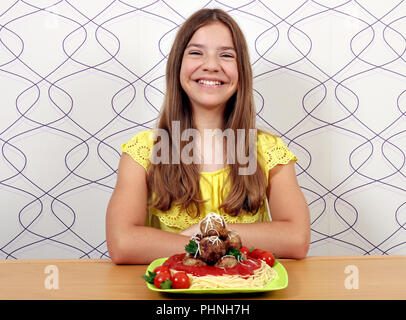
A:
227, 55
194, 52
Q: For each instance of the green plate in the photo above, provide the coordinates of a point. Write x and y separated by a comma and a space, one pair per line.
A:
277, 283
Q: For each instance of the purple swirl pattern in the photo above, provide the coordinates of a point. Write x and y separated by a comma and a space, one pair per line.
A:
79, 78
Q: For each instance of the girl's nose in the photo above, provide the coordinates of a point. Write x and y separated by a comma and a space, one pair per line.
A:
211, 64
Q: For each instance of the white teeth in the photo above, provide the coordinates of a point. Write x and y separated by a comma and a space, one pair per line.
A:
210, 83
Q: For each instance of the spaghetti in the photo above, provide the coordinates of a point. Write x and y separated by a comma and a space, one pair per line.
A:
251, 273
259, 279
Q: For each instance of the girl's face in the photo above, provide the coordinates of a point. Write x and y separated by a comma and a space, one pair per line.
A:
209, 73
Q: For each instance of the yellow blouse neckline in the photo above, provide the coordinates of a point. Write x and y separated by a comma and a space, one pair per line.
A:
215, 172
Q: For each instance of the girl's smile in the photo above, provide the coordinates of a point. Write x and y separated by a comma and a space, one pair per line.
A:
209, 73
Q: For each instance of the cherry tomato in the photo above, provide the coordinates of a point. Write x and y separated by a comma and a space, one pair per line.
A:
268, 258
245, 250
255, 253
180, 280
161, 277
160, 269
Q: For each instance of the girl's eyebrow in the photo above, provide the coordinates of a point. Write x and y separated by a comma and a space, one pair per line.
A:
197, 45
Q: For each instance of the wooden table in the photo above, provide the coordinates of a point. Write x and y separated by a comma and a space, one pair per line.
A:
379, 277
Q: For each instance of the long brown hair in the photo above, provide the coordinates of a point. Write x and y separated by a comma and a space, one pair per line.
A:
180, 182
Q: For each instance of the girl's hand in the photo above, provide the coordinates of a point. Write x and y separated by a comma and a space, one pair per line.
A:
191, 231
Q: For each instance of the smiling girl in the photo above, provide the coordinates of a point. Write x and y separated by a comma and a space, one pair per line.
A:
156, 206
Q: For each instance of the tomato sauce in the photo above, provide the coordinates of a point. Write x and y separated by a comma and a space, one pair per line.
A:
247, 268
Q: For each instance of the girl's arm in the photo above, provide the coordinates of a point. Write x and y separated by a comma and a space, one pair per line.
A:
288, 234
128, 240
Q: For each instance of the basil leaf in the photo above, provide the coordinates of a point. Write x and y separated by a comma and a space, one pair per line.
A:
167, 284
149, 277
191, 247
235, 253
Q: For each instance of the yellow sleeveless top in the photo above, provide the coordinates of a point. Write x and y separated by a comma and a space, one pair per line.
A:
271, 151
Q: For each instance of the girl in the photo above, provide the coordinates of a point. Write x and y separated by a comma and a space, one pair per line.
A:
156, 206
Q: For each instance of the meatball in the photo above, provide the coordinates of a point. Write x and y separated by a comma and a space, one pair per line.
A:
226, 262
190, 261
213, 225
197, 237
233, 240
211, 249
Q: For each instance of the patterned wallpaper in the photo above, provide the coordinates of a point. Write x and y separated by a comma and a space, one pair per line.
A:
79, 78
